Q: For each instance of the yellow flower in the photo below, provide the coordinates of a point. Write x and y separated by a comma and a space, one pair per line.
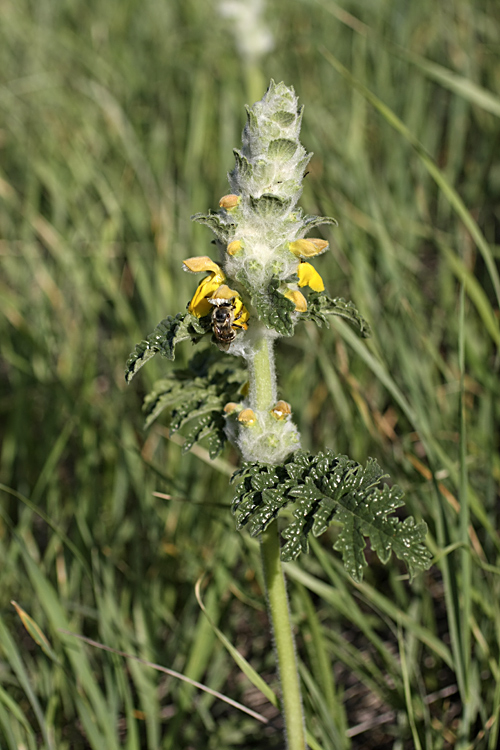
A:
307, 248
308, 276
200, 305
298, 299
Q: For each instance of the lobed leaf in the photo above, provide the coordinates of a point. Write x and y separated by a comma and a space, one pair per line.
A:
196, 397
220, 223
164, 338
243, 167
323, 489
309, 222
320, 305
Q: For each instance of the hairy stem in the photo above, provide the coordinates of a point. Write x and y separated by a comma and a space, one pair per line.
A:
262, 378
283, 638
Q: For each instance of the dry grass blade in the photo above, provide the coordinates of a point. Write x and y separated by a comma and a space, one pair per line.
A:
170, 672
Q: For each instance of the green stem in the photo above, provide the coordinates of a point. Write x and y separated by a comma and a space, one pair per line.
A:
262, 378
262, 397
283, 638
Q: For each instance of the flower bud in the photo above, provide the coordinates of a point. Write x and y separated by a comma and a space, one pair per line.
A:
229, 201
231, 407
234, 247
281, 410
247, 417
307, 248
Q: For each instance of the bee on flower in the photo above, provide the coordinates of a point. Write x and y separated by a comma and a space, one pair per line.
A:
212, 296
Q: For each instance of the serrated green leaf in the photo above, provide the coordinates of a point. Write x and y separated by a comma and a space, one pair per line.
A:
138, 358
325, 489
219, 223
309, 222
243, 166
274, 309
320, 305
164, 338
252, 122
351, 544
200, 429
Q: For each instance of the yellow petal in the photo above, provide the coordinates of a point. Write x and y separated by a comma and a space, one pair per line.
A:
234, 247
202, 263
229, 201
281, 410
307, 248
298, 299
308, 276
225, 293
200, 305
241, 317
241, 314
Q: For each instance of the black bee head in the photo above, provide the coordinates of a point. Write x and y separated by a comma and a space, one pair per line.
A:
222, 313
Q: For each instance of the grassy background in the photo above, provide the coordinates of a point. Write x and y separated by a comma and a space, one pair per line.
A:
117, 121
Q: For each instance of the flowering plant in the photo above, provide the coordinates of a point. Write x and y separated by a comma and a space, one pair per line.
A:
261, 287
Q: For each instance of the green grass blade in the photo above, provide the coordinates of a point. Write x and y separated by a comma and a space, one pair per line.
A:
465, 557
408, 690
451, 194
242, 663
11, 651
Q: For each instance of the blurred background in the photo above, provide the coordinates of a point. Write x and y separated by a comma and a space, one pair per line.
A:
117, 123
